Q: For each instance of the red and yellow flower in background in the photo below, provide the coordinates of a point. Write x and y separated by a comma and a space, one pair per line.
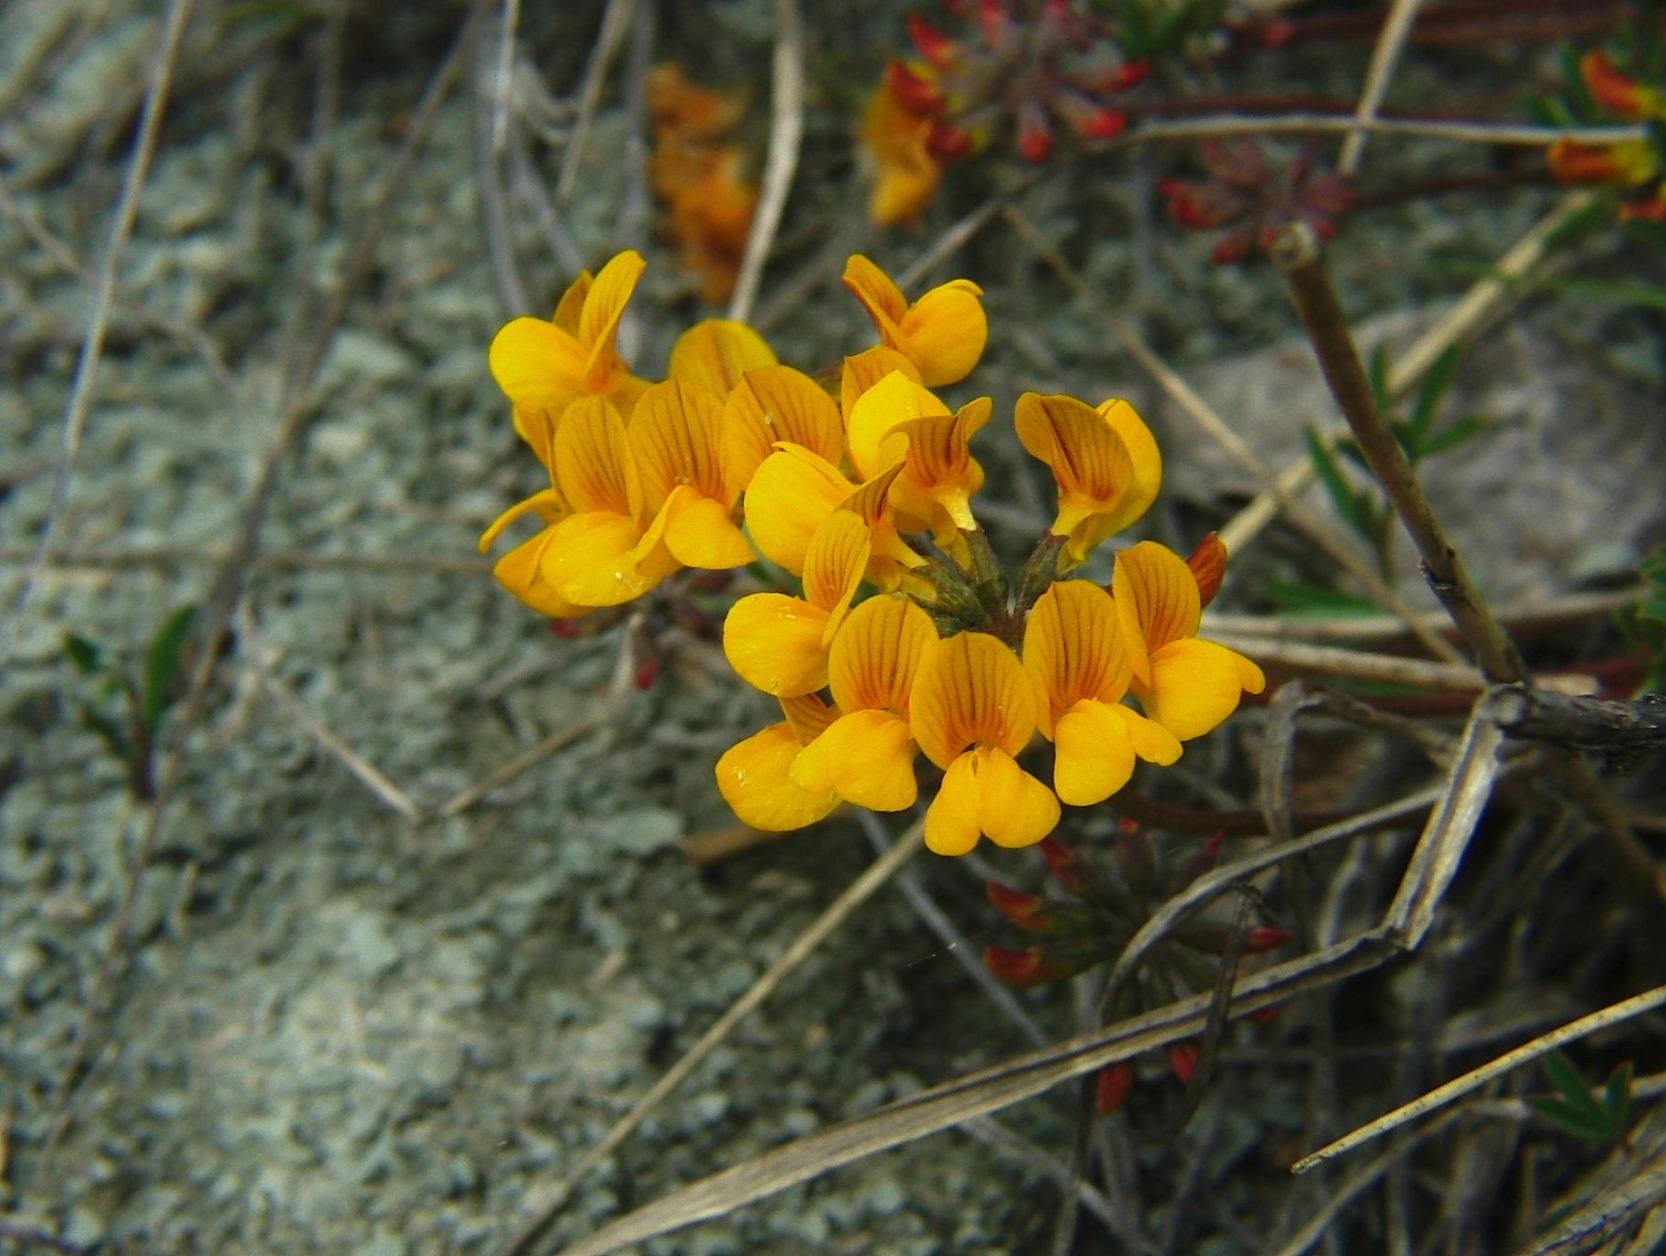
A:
1632, 163
699, 174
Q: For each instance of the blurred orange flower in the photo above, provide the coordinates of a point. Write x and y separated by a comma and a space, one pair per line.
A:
698, 173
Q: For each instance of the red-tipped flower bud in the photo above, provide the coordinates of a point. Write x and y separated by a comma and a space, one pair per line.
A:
1183, 1059
1027, 911
948, 143
934, 45
912, 90
1102, 124
1113, 1084
1208, 564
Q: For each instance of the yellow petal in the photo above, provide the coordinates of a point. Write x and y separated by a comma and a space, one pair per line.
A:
700, 533
893, 400
603, 559
774, 642
539, 367
971, 689
752, 777
952, 819
863, 370
866, 757
877, 653
1090, 463
521, 572
1014, 808
592, 460
1094, 756
1073, 648
945, 331
789, 497
571, 305
1194, 686
809, 716
834, 563
1145, 459
604, 306
1157, 592
547, 503
674, 435
714, 354
777, 403
985, 791
880, 297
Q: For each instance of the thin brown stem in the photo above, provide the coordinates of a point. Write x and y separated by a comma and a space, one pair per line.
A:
1296, 251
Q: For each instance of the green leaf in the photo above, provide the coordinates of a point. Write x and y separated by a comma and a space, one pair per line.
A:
1567, 1080
1429, 396
1377, 372
162, 661
84, 654
1353, 507
1575, 1120
1647, 231
1454, 434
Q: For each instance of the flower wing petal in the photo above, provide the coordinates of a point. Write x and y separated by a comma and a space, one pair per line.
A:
866, 757
752, 777
774, 642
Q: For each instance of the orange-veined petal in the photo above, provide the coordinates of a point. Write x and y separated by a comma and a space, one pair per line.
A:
777, 403
971, 689
674, 437
571, 306
715, 354
592, 460
877, 653
598, 322
894, 400
863, 370
1073, 649
1157, 600
834, 565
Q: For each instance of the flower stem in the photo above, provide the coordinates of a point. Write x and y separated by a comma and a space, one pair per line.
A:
1296, 251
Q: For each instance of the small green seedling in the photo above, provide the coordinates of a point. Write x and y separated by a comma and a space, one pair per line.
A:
126, 709
1598, 1116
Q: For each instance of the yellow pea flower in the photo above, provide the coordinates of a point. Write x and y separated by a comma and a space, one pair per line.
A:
1186, 685
752, 775
779, 643
545, 366
972, 709
1105, 461
601, 545
906, 177
796, 489
943, 333
866, 756
1073, 650
675, 440
897, 417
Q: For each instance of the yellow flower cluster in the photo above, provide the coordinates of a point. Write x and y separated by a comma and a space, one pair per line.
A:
736, 455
